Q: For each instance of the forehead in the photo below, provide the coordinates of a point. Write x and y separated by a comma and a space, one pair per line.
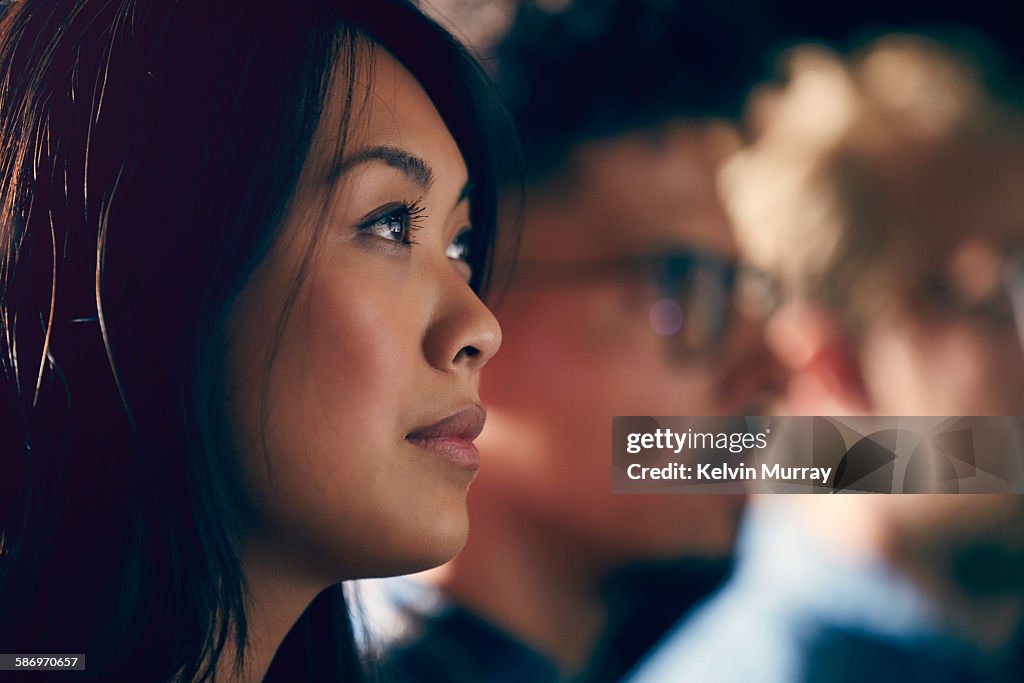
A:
631, 193
389, 107
933, 203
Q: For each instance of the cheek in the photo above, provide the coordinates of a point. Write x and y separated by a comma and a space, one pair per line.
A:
587, 356
945, 369
566, 367
347, 355
323, 452
985, 366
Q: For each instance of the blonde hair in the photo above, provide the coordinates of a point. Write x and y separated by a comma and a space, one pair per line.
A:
819, 197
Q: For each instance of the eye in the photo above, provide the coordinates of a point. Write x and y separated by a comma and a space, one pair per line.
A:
395, 222
458, 252
459, 247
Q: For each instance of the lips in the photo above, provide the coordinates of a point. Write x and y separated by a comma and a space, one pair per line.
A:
452, 437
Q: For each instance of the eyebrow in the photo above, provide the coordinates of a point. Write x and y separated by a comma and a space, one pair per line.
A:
411, 165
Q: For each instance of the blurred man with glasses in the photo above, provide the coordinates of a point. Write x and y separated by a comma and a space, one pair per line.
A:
623, 301
884, 190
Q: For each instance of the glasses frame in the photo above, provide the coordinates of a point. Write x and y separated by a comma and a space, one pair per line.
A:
673, 272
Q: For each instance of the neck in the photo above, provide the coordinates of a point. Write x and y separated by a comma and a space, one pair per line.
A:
529, 585
276, 599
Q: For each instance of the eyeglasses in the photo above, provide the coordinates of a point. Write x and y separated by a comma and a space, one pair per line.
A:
696, 291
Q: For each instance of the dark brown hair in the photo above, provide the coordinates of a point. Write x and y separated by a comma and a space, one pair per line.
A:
149, 150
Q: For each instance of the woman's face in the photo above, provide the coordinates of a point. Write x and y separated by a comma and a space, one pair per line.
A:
357, 446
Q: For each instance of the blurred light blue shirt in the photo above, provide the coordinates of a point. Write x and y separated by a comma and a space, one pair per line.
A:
796, 613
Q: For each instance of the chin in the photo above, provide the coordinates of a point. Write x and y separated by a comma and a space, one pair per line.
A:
431, 542
445, 540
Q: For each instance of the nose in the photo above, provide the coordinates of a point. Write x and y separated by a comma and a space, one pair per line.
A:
464, 333
751, 377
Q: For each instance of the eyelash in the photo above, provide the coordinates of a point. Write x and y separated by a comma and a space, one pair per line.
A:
409, 215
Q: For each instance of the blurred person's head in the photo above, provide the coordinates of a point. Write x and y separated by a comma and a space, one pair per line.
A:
620, 302
883, 192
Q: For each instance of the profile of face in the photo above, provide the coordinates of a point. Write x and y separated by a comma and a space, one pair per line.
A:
354, 417
935, 334
950, 344
579, 350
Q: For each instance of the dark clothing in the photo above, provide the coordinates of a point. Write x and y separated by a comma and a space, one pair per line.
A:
435, 640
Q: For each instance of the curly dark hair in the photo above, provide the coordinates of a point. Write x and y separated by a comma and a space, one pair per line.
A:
600, 68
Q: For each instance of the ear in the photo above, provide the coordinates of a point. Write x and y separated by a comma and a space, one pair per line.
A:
825, 371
